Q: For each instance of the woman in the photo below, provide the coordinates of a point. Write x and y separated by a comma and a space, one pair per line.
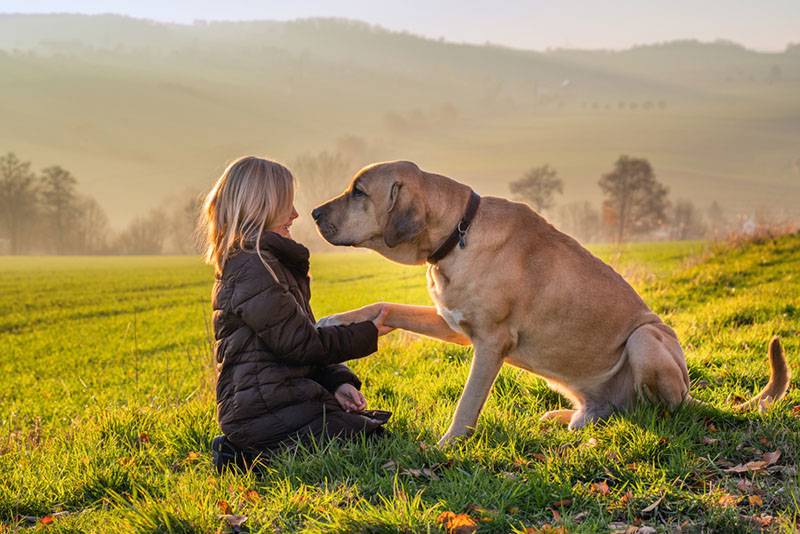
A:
280, 377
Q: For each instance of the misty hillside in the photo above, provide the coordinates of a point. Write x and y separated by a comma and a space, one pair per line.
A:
139, 110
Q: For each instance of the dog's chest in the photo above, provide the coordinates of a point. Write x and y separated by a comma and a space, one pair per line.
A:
448, 309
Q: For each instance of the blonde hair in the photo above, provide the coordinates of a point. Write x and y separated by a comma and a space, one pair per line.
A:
249, 196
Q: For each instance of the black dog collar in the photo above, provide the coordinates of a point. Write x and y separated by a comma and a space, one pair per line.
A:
459, 234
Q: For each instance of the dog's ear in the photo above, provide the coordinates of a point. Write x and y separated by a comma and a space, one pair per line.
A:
405, 220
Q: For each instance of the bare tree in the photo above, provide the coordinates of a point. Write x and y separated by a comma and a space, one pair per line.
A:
635, 201
92, 229
18, 197
57, 200
686, 221
144, 235
319, 177
183, 216
581, 220
538, 187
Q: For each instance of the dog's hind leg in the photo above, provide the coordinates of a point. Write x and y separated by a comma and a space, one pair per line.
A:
658, 365
588, 413
561, 416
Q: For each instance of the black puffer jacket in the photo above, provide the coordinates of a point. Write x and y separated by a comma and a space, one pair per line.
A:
277, 370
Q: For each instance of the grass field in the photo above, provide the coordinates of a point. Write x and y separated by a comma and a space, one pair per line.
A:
107, 410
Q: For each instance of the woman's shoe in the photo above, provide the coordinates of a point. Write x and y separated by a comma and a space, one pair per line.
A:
227, 455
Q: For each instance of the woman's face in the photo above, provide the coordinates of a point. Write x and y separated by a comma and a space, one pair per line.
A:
283, 225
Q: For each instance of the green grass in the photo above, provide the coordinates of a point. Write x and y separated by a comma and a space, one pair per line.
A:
107, 409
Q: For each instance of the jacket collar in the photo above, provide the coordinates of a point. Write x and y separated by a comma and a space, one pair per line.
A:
287, 251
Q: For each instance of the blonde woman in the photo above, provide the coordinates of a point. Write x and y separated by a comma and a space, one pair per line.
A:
280, 377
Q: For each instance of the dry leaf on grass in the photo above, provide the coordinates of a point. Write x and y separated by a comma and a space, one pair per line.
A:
767, 459
235, 521
755, 500
729, 500
600, 488
653, 506
224, 507
423, 472
457, 523
709, 441
546, 529
762, 521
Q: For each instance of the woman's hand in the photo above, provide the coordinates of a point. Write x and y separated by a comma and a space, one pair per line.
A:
350, 399
380, 321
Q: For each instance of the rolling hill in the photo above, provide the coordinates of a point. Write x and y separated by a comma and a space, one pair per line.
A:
140, 110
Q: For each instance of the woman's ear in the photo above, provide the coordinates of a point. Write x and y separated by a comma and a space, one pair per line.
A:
405, 219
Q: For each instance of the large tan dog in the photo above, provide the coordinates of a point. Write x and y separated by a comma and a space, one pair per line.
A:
521, 292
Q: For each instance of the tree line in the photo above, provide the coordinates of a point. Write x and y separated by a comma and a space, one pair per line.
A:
635, 206
45, 213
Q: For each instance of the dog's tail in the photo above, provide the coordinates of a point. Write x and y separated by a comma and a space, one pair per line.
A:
779, 378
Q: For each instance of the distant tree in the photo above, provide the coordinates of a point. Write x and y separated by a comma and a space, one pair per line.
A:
183, 218
538, 187
320, 176
581, 220
686, 221
717, 222
18, 198
92, 229
58, 204
635, 201
144, 235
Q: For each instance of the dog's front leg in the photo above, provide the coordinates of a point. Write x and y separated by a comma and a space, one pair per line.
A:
485, 366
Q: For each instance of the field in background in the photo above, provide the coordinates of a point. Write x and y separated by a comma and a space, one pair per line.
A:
106, 409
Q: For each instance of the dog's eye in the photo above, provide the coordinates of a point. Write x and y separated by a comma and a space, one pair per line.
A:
358, 192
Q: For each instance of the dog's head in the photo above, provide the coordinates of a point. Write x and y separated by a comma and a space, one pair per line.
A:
383, 209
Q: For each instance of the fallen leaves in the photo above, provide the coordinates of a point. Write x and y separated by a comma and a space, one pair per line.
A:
224, 507
767, 459
755, 500
424, 473
546, 529
234, 521
600, 488
457, 523
653, 506
729, 500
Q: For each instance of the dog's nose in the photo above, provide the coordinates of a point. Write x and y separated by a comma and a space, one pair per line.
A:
316, 213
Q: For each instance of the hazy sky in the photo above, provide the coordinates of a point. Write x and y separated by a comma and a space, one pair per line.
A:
537, 24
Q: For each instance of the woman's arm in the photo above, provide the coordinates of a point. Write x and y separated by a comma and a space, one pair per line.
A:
423, 320
277, 318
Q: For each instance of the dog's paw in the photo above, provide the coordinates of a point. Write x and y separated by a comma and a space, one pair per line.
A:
450, 439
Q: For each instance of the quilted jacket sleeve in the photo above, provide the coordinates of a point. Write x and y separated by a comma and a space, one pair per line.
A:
333, 376
274, 314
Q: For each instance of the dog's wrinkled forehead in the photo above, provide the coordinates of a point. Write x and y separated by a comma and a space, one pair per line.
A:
387, 171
